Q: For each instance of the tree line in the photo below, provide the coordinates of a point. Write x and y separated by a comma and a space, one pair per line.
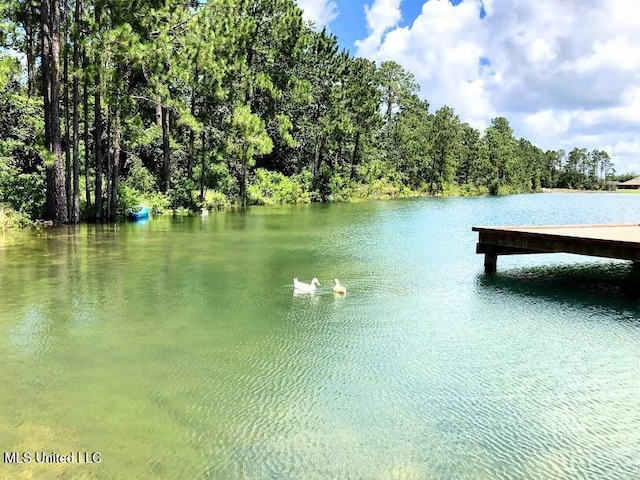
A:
191, 103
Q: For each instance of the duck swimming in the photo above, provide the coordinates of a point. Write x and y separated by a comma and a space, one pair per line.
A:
301, 287
337, 288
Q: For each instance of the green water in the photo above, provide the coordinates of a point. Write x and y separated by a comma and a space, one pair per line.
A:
177, 350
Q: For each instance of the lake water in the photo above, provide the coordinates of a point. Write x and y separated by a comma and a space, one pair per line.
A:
177, 350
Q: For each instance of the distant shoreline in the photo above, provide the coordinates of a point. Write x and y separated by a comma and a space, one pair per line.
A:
574, 190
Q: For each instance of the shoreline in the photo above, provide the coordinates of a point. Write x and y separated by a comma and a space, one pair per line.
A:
39, 223
575, 190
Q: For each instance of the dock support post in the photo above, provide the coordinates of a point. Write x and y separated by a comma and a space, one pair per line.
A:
635, 272
490, 262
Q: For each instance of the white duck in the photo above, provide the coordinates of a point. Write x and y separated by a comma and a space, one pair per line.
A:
337, 288
301, 287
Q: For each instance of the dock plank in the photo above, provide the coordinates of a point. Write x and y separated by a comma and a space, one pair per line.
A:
620, 241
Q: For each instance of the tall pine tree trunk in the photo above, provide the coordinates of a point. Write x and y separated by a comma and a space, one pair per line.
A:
65, 81
56, 208
204, 154
108, 159
45, 35
97, 121
59, 186
354, 156
31, 68
166, 154
31, 53
317, 160
190, 148
116, 162
85, 101
243, 178
75, 204
97, 140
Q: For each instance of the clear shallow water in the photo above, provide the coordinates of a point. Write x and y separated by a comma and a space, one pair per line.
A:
177, 350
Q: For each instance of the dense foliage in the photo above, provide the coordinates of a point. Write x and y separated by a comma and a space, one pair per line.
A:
190, 104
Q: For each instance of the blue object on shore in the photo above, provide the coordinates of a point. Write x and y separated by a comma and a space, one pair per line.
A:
139, 212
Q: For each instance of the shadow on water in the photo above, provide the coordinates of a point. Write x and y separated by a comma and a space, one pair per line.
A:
609, 285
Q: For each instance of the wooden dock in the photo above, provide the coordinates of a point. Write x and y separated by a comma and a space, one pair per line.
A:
610, 241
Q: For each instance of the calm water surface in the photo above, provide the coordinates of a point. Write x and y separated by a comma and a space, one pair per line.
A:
176, 349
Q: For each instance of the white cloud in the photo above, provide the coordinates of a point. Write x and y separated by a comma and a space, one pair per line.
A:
548, 123
381, 15
627, 152
321, 12
565, 73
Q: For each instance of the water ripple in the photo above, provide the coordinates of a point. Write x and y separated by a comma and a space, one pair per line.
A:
188, 356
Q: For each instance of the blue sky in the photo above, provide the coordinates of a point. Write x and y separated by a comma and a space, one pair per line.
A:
350, 24
561, 82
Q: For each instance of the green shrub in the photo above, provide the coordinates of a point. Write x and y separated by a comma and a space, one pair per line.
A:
156, 201
468, 190
127, 199
339, 188
269, 188
140, 178
22, 192
181, 193
10, 219
220, 178
384, 189
212, 199
182, 212
358, 192
304, 179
